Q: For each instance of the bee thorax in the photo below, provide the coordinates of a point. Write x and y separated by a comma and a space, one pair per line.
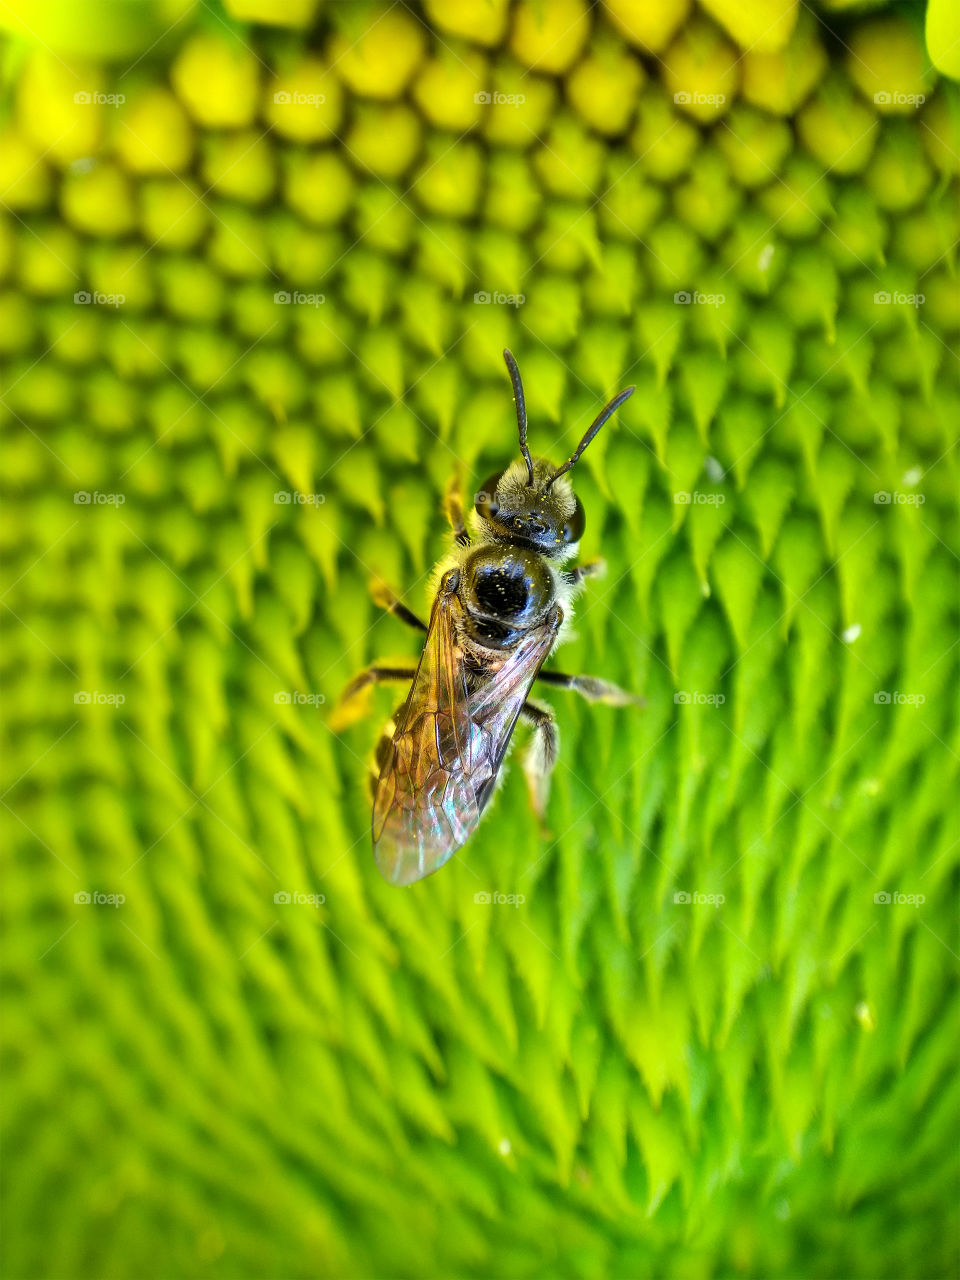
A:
510, 585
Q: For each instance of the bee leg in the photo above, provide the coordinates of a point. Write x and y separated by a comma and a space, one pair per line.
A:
540, 756
453, 509
592, 689
389, 600
589, 569
352, 705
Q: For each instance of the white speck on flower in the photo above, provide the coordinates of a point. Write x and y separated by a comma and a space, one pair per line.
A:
504, 1147
766, 257
912, 477
714, 469
852, 633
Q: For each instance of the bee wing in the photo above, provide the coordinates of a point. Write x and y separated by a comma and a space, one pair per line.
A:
447, 748
496, 704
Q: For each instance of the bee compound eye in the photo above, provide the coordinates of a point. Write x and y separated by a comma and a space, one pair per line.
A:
486, 500
574, 526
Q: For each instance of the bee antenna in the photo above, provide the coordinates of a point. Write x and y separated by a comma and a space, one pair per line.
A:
521, 412
600, 419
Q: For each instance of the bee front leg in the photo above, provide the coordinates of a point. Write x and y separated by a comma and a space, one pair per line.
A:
389, 600
453, 509
540, 756
353, 705
589, 569
592, 688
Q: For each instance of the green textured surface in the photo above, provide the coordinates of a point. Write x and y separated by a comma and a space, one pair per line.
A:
603, 1081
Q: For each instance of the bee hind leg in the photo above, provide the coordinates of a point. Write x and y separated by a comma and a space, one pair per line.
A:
353, 703
540, 756
592, 688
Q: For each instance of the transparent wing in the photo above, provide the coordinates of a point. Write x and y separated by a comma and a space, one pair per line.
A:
448, 745
425, 806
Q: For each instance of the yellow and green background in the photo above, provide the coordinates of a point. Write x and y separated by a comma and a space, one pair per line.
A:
717, 1036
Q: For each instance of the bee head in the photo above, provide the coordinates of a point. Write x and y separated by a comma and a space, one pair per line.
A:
550, 519
532, 502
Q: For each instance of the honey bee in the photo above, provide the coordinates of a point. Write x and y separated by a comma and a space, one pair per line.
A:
502, 602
